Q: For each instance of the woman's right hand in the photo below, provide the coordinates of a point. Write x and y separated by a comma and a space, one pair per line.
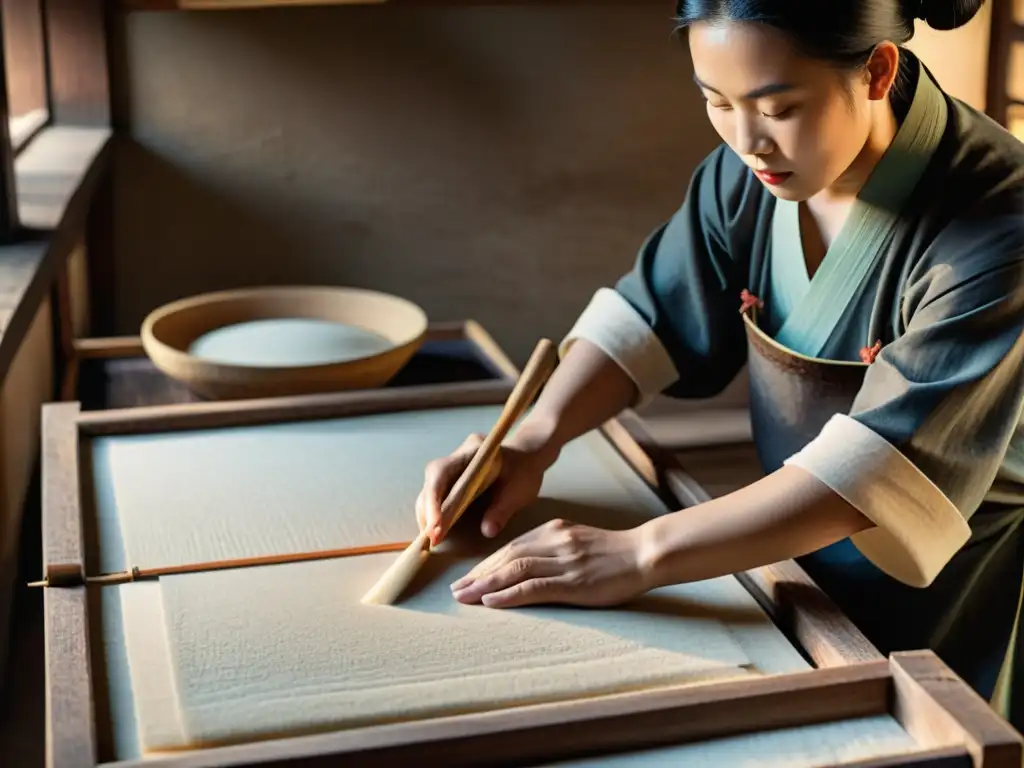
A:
514, 482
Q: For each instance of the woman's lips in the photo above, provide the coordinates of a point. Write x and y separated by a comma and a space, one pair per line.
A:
773, 177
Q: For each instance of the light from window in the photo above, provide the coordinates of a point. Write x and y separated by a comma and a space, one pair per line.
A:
25, 59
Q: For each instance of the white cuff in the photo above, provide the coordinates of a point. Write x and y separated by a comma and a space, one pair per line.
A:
918, 528
610, 323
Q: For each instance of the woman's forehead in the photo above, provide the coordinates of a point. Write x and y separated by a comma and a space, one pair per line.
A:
745, 60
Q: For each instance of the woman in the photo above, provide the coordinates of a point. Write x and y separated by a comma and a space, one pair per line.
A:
858, 241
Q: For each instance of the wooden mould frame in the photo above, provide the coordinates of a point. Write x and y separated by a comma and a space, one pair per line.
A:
952, 725
78, 351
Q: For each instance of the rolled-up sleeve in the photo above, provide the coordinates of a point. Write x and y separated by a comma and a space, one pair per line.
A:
612, 324
672, 322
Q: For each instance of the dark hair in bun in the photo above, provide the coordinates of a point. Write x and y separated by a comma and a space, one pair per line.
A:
843, 32
945, 14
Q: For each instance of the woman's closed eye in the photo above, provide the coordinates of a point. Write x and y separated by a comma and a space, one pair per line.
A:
778, 114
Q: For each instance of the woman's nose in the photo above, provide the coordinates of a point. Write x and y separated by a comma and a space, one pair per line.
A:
750, 140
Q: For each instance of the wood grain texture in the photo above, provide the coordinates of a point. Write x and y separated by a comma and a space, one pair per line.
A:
997, 96
78, 288
528, 735
808, 615
69, 382
940, 757
220, 5
115, 372
109, 347
27, 385
8, 197
215, 5
209, 415
63, 545
65, 367
797, 605
24, 53
489, 349
70, 729
77, 49
938, 709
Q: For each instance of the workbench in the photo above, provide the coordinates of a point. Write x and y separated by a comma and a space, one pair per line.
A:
143, 500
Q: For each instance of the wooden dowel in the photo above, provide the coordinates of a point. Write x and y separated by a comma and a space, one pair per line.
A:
473, 480
135, 573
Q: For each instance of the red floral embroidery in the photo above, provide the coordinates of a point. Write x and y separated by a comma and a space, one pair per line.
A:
748, 300
868, 354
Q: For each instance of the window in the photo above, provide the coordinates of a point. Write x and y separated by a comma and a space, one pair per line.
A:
57, 110
25, 64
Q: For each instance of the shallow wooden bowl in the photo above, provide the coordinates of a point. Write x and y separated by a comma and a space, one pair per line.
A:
169, 332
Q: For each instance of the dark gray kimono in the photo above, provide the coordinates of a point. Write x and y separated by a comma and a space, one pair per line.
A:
908, 402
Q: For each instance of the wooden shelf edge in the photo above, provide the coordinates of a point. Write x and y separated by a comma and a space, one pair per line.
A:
28, 267
234, 5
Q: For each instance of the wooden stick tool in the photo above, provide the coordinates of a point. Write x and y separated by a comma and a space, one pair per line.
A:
403, 570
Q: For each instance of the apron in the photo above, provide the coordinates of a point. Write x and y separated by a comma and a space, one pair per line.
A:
968, 615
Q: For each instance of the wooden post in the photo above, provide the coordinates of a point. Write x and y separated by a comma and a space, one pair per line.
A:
1001, 35
77, 55
9, 224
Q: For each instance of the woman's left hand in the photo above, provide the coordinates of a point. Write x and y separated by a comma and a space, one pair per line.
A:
559, 562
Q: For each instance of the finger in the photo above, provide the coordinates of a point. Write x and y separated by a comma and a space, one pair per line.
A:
498, 513
487, 566
512, 573
439, 477
529, 545
548, 589
437, 480
421, 514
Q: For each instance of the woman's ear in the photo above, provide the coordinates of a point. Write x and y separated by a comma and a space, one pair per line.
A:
881, 70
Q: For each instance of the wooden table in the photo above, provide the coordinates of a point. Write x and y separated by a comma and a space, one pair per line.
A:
941, 721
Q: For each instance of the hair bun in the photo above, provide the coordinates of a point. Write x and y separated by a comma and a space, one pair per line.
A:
944, 14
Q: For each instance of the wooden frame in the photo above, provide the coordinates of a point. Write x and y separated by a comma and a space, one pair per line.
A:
24, 36
77, 93
225, 5
952, 725
1003, 32
9, 224
79, 353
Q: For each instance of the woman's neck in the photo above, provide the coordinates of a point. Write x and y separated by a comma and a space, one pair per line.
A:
880, 135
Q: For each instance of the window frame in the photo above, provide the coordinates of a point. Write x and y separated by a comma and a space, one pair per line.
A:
77, 95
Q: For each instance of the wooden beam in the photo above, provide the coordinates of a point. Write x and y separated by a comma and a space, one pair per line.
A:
334, 405
223, 5
63, 542
77, 55
9, 224
1001, 32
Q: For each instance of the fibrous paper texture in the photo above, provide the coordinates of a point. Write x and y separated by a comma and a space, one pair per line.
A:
290, 649
200, 496
233, 655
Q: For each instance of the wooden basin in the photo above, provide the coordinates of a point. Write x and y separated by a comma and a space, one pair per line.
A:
222, 345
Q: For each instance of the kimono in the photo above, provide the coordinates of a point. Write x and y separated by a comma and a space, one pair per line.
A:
894, 375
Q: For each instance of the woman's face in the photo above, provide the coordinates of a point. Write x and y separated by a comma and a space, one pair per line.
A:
798, 123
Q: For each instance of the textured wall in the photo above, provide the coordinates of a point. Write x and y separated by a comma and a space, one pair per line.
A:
494, 162
958, 59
